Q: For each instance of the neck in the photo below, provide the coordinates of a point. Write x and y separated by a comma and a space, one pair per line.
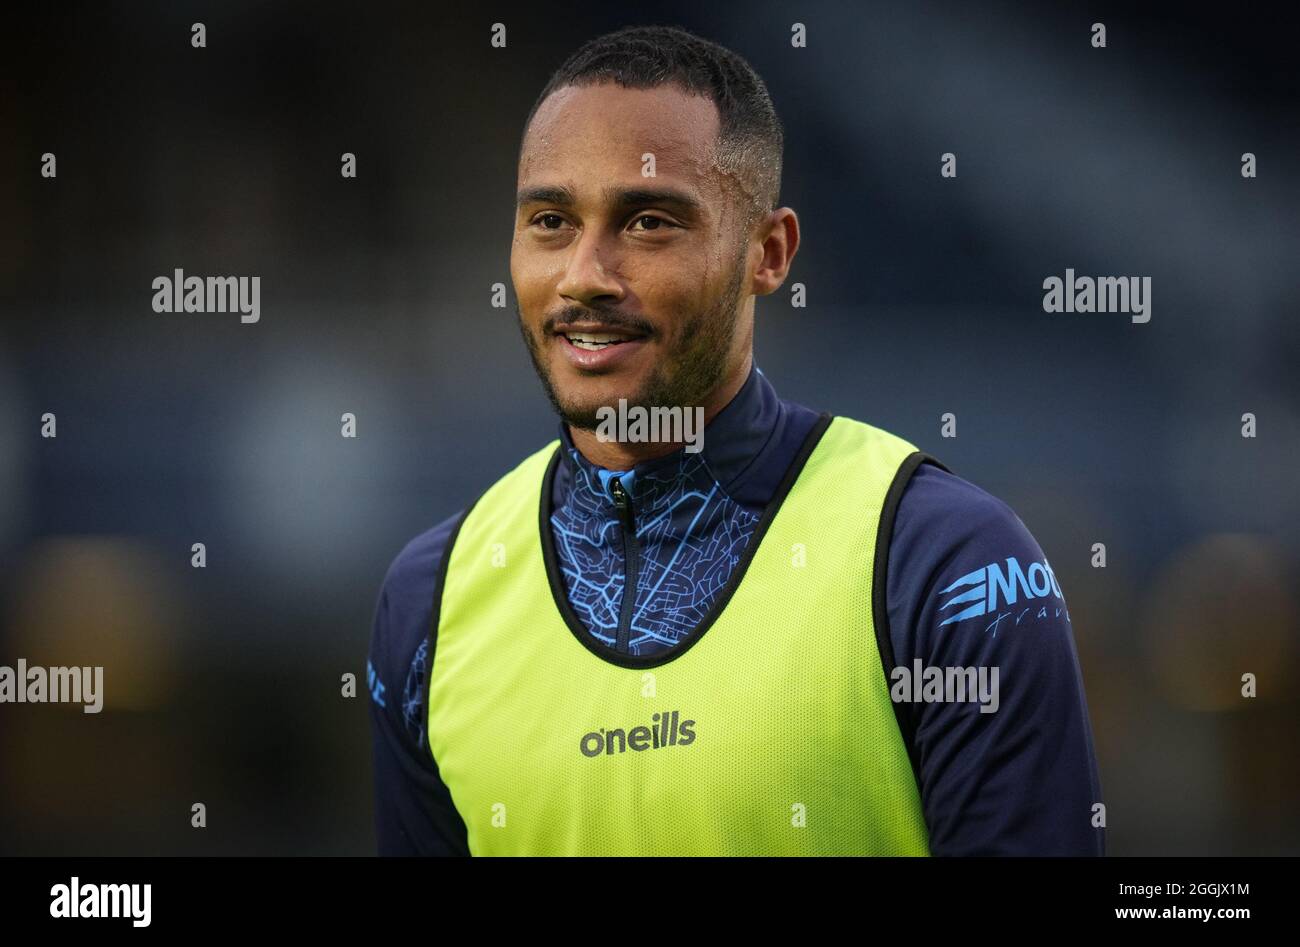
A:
624, 455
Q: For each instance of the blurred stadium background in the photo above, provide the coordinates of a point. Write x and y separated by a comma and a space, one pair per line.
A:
924, 297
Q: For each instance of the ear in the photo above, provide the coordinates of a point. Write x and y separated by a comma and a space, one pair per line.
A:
778, 233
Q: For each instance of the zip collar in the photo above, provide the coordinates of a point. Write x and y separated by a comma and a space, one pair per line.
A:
733, 443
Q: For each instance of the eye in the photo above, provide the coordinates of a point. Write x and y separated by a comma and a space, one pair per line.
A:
548, 221
653, 223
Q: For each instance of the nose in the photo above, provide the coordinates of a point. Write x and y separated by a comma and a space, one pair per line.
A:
591, 275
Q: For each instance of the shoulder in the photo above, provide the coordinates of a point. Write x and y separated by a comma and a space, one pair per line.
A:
945, 507
404, 610
412, 575
960, 554
413, 570
961, 558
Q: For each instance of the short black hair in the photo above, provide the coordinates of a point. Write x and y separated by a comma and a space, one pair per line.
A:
750, 136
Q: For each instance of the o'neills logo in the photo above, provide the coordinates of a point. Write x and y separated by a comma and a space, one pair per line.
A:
666, 729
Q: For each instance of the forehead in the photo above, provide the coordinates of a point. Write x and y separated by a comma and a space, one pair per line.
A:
604, 130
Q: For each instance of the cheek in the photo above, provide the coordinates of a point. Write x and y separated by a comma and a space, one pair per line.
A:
680, 303
670, 291
533, 284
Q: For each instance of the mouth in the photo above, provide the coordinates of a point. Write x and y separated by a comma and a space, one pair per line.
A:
596, 338
592, 347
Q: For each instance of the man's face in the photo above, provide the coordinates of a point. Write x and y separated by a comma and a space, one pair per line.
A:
628, 286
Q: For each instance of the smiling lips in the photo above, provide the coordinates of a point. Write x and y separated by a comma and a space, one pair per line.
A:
594, 341
599, 346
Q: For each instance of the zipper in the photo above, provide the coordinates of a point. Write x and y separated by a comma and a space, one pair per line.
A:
631, 563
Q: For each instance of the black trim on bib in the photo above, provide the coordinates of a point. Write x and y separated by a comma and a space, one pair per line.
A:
879, 583
437, 614
458, 830
606, 653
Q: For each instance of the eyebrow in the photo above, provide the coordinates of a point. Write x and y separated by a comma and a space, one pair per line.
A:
621, 198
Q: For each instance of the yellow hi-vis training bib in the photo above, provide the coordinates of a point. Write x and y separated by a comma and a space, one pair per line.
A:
769, 731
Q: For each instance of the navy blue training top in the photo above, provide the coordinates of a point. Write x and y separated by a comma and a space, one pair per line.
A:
966, 586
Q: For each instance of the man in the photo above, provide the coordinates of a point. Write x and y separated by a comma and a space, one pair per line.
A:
631, 647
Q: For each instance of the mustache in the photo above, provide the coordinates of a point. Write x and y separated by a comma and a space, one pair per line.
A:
609, 316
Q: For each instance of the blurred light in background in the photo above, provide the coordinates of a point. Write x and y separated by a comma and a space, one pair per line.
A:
1222, 608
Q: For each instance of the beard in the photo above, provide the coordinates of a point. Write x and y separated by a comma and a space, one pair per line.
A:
685, 376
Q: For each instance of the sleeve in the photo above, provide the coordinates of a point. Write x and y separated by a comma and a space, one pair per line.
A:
414, 813
968, 586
